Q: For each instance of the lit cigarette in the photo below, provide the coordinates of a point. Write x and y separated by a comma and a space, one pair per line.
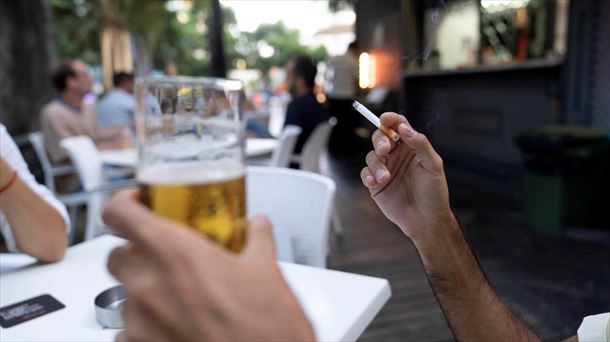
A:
375, 121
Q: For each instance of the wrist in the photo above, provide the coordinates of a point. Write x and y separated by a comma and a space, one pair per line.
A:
6, 172
6, 184
436, 231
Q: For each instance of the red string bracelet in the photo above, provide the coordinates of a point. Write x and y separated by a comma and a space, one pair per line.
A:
10, 182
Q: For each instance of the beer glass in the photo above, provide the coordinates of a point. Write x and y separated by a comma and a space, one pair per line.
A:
191, 154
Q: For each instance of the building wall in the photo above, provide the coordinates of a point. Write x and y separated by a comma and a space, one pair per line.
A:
600, 100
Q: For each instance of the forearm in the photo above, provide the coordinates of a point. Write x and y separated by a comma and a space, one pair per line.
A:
112, 137
470, 305
38, 229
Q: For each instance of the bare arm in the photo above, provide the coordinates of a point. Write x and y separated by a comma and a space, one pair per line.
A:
407, 181
38, 229
470, 305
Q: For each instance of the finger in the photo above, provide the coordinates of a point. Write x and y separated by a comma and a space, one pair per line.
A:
367, 178
122, 336
378, 168
146, 285
424, 151
125, 215
382, 144
260, 245
126, 263
140, 325
392, 120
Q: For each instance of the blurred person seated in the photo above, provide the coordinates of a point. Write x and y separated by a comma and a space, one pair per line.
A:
151, 104
254, 128
66, 115
245, 296
32, 220
303, 110
116, 110
69, 115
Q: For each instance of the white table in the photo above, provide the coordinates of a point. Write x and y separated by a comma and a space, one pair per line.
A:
340, 305
129, 158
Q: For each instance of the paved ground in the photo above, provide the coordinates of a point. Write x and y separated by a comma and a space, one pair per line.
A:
550, 282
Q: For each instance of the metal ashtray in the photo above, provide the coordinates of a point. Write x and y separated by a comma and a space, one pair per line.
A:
108, 307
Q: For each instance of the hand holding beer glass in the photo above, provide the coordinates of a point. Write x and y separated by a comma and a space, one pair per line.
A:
191, 155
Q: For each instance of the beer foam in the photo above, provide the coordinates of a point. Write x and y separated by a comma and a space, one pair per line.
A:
190, 173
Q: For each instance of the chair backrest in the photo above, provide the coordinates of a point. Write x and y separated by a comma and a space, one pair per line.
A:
37, 141
316, 146
299, 202
285, 147
86, 159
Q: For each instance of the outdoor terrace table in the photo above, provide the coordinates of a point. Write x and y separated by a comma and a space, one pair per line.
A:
128, 157
340, 305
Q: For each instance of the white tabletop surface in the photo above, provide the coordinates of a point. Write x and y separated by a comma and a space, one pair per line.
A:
340, 305
128, 157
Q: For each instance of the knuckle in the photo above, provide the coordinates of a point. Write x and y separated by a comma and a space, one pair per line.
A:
262, 219
423, 138
375, 135
439, 161
140, 290
107, 213
370, 157
114, 262
264, 225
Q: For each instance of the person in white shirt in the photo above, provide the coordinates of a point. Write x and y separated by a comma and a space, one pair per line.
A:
32, 220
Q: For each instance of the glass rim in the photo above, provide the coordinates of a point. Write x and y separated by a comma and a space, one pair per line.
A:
216, 83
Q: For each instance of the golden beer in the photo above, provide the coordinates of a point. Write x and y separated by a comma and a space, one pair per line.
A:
211, 199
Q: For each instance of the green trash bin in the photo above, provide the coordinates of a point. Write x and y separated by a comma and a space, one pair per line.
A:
566, 177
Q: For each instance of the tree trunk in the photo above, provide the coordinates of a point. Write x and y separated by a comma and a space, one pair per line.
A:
218, 63
26, 45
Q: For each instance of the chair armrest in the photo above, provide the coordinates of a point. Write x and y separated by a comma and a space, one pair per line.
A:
81, 197
62, 170
114, 185
119, 173
296, 159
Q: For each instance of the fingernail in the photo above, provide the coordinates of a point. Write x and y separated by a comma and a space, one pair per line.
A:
380, 174
369, 180
406, 130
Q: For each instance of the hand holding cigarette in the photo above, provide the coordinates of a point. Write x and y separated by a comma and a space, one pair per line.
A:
406, 180
375, 121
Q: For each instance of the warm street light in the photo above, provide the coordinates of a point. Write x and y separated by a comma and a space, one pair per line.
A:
366, 70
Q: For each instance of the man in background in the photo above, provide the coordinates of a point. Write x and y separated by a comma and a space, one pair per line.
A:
303, 110
69, 115
66, 115
117, 108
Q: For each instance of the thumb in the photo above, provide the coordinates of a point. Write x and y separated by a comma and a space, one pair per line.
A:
424, 152
260, 245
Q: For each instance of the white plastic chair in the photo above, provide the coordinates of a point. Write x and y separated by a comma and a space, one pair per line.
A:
71, 201
299, 202
86, 159
315, 147
314, 154
283, 151
50, 171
